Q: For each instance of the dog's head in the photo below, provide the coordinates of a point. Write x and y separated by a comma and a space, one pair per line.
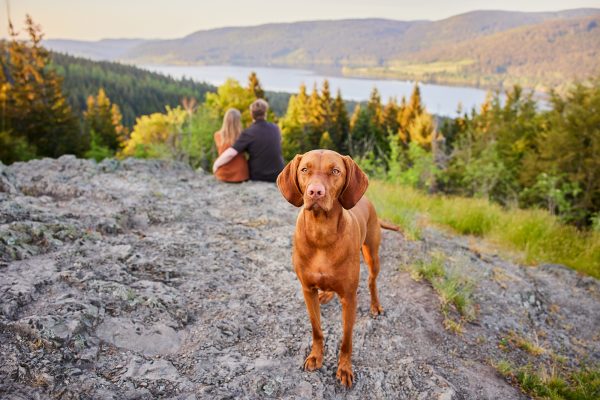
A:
320, 178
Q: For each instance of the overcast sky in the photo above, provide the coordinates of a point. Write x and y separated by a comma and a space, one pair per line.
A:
91, 20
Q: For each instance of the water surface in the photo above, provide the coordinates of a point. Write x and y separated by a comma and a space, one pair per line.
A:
439, 99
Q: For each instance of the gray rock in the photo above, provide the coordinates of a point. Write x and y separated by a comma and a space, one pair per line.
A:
145, 279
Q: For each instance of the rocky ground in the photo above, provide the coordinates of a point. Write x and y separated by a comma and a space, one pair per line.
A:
145, 279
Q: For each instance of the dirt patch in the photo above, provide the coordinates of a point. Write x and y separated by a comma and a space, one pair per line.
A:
145, 279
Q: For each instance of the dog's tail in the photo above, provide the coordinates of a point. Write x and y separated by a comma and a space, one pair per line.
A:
389, 225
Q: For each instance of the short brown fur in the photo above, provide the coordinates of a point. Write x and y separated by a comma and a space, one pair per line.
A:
330, 233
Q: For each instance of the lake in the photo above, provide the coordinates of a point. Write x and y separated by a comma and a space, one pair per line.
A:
439, 99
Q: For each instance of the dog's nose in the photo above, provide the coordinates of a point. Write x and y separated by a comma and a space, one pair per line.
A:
315, 190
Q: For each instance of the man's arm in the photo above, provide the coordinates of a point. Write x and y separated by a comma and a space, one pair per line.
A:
224, 158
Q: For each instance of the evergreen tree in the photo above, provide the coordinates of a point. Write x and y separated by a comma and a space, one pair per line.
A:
375, 109
373, 137
231, 95
297, 126
292, 131
326, 108
137, 92
361, 141
105, 121
568, 150
255, 87
402, 132
421, 130
35, 110
409, 112
326, 142
490, 146
390, 117
315, 107
340, 132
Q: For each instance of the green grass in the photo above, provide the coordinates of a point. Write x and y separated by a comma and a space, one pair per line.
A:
583, 384
525, 344
454, 290
535, 235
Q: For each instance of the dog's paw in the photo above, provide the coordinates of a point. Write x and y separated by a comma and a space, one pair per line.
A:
313, 362
376, 310
345, 375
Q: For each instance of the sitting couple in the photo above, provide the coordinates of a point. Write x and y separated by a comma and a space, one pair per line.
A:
262, 142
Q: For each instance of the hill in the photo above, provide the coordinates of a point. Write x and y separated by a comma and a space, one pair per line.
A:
136, 91
106, 49
548, 52
146, 279
425, 50
551, 53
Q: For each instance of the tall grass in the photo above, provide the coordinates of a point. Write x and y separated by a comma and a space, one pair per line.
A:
539, 236
583, 384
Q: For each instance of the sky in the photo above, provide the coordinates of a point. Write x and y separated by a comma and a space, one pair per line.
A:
150, 19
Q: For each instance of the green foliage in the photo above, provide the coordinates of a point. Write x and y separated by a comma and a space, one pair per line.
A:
255, 87
326, 142
231, 95
34, 109
414, 167
535, 235
157, 136
372, 165
98, 150
309, 118
367, 129
15, 148
428, 270
554, 191
490, 146
137, 92
513, 154
104, 120
198, 141
582, 384
568, 147
454, 290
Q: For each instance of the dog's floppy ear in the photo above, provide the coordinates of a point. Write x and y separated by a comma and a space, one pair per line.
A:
287, 182
356, 184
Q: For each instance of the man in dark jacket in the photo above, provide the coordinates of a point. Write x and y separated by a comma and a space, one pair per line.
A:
262, 141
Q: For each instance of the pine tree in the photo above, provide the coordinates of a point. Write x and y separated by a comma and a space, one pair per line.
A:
340, 133
326, 142
105, 121
326, 108
361, 140
35, 108
421, 130
390, 117
402, 133
568, 148
375, 109
316, 118
377, 136
255, 87
297, 125
292, 134
409, 112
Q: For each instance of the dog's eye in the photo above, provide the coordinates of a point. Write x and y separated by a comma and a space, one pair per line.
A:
304, 170
336, 171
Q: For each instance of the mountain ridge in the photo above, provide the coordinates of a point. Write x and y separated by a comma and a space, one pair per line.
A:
371, 47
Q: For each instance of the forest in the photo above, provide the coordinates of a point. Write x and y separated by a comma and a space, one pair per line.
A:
508, 151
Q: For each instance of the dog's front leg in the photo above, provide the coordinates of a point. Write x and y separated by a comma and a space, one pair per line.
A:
315, 358
344, 372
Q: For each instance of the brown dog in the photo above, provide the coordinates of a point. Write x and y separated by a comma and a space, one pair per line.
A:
334, 224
